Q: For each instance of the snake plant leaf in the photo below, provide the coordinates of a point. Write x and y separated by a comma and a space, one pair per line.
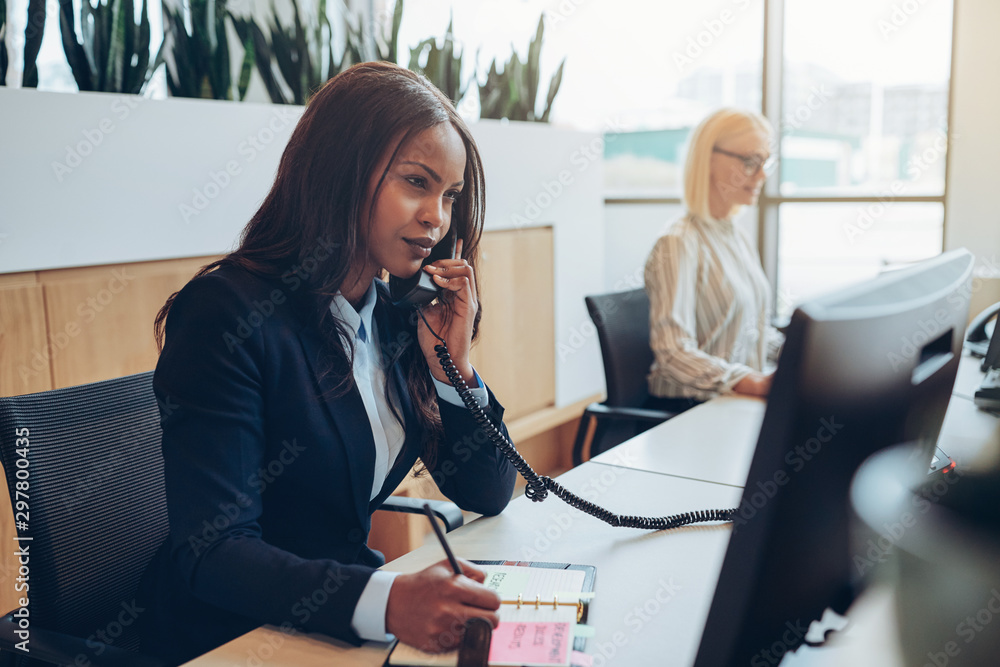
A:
532, 72
386, 45
489, 93
3, 42
97, 17
397, 19
76, 54
248, 28
140, 71
511, 82
33, 33
197, 57
117, 43
553, 89
246, 69
222, 83
440, 64
301, 54
513, 92
418, 51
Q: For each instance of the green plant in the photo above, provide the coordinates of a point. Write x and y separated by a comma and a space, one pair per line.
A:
304, 55
198, 61
33, 42
512, 93
387, 44
114, 54
441, 65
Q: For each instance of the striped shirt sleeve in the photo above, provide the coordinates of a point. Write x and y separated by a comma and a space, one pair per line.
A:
681, 368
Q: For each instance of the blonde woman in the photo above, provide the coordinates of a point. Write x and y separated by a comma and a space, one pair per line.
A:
709, 298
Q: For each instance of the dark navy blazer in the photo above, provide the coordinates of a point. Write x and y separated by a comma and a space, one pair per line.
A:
268, 476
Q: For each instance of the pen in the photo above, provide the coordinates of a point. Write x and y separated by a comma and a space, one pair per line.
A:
444, 542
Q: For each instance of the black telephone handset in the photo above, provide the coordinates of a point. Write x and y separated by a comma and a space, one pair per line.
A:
977, 339
420, 289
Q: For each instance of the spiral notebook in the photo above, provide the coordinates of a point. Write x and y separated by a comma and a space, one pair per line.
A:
543, 627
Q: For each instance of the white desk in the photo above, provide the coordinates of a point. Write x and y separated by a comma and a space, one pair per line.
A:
713, 442
653, 590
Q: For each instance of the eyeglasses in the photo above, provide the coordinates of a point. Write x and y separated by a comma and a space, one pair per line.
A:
751, 163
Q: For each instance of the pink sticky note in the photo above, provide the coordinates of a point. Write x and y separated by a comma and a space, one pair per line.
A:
531, 643
578, 659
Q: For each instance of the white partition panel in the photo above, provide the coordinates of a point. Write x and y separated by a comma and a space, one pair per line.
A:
91, 178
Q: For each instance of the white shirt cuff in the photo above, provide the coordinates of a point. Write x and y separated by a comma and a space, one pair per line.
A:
369, 616
448, 393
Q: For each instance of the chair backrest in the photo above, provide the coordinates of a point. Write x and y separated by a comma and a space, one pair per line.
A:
96, 506
622, 321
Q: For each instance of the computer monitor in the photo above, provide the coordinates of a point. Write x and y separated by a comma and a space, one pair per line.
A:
863, 368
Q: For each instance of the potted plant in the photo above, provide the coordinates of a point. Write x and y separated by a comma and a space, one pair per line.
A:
113, 54
512, 93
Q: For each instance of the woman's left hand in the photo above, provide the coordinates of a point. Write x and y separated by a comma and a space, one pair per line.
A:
452, 317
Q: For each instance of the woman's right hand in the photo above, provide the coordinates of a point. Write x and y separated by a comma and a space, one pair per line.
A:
754, 384
428, 609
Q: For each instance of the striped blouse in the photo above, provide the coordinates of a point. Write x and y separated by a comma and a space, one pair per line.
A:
709, 310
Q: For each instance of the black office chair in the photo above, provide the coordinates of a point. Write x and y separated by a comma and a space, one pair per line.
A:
622, 321
85, 473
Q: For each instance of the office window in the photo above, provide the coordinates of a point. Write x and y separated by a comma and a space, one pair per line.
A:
642, 72
822, 245
865, 98
864, 116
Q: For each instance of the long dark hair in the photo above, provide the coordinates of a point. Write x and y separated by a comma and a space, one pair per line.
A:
358, 117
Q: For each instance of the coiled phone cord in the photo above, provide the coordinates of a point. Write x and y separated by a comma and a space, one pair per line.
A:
538, 486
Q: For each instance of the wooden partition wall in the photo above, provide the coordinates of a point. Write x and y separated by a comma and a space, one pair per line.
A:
66, 327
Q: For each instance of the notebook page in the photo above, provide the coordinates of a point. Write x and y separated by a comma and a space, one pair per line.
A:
509, 580
544, 628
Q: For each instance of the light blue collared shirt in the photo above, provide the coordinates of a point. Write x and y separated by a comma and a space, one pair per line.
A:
388, 433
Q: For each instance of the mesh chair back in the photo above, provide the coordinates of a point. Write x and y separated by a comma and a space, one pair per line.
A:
96, 496
622, 321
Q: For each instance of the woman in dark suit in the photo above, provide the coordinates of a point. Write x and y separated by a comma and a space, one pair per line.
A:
295, 397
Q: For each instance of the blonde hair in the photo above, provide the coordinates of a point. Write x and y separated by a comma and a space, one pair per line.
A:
720, 125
